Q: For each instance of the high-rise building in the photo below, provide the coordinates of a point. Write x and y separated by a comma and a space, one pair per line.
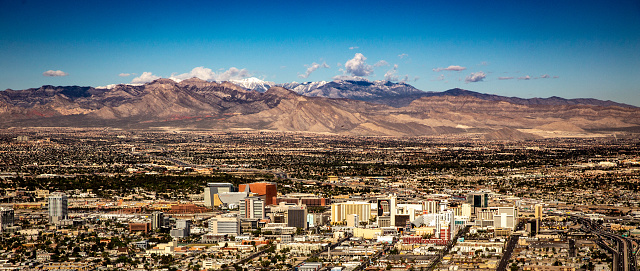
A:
6, 218
252, 207
157, 220
538, 211
224, 225
430, 206
449, 218
387, 208
498, 217
184, 224
182, 229
340, 211
213, 189
466, 209
268, 191
297, 217
478, 200
58, 204
533, 227
444, 205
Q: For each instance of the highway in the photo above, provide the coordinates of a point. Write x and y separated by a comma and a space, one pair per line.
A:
623, 256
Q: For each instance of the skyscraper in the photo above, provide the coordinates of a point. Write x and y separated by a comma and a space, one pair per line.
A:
387, 209
58, 205
478, 200
157, 220
430, 206
538, 211
252, 207
340, 211
6, 218
297, 217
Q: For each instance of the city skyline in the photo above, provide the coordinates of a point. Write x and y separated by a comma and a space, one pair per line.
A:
570, 49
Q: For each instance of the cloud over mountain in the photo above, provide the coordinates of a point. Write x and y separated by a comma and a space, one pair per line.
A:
145, 77
312, 68
475, 77
357, 66
207, 74
52, 73
391, 75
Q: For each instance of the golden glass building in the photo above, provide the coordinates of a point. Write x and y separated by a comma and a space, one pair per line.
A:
340, 211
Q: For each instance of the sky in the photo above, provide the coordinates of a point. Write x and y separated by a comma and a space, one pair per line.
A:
571, 49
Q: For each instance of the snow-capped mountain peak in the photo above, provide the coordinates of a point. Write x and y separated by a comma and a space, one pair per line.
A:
253, 83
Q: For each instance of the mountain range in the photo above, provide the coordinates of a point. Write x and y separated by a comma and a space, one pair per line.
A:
349, 107
397, 94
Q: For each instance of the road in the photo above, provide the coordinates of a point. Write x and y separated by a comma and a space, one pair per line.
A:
623, 256
332, 246
450, 245
373, 258
506, 255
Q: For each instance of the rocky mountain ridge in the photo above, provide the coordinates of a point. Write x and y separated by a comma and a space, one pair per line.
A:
398, 94
199, 104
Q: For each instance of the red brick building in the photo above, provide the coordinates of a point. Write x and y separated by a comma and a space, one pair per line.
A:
266, 190
309, 201
145, 227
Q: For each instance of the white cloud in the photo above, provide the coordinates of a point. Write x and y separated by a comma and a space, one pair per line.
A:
52, 73
145, 77
391, 75
353, 47
125, 74
402, 55
450, 68
475, 77
524, 78
199, 72
207, 74
545, 76
357, 66
312, 68
556, 77
233, 73
484, 63
505, 78
381, 63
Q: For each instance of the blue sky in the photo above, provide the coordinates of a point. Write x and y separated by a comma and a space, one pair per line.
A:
570, 49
